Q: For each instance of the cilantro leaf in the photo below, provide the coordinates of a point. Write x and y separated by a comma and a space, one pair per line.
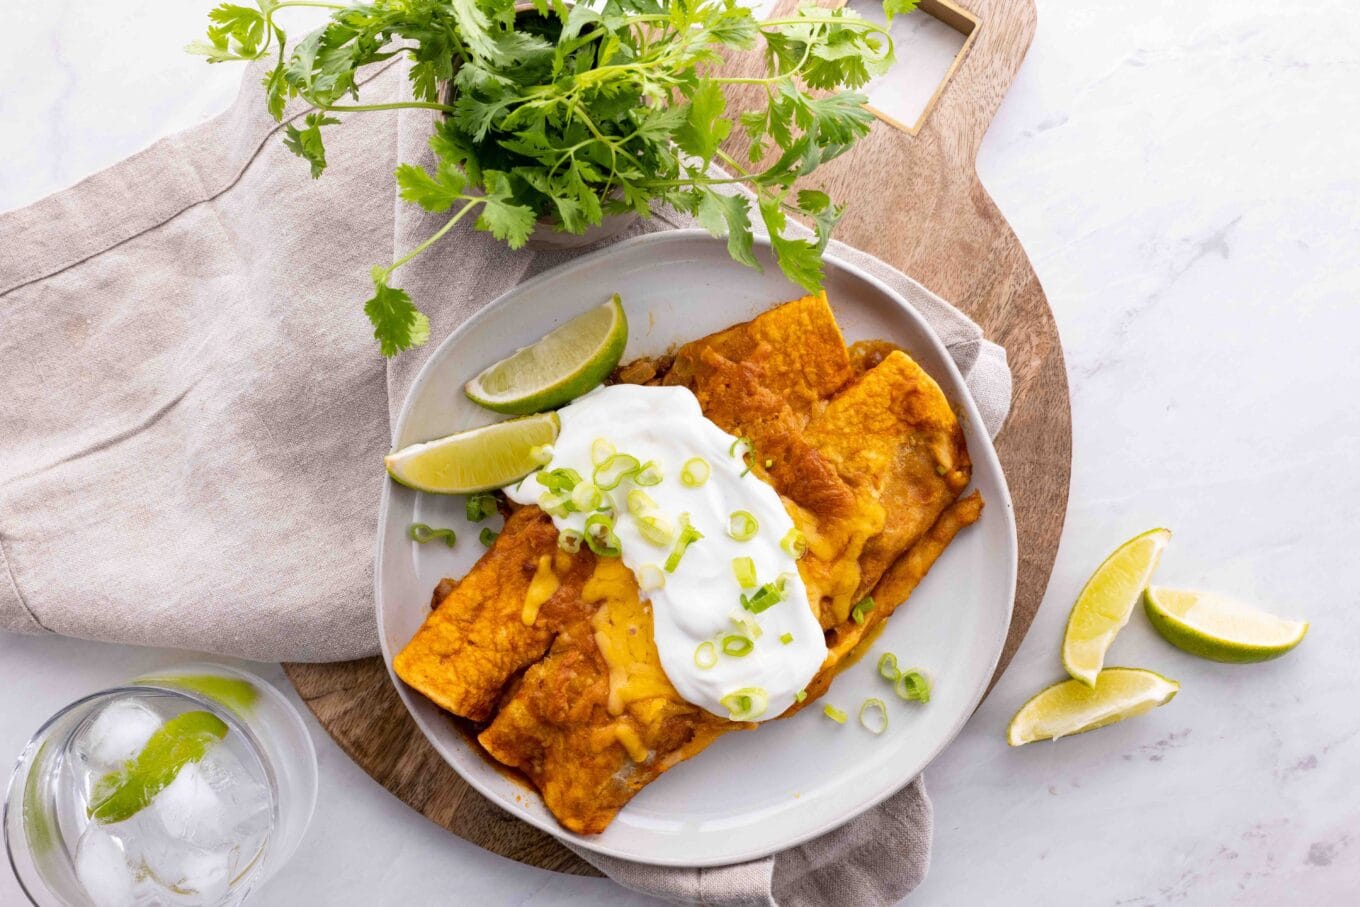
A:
500, 216
898, 8
397, 324
729, 216
433, 193
704, 127
799, 259
306, 142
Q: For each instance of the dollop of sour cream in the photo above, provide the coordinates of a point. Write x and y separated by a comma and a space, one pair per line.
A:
699, 621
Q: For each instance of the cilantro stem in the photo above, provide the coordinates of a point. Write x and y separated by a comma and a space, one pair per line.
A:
434, 238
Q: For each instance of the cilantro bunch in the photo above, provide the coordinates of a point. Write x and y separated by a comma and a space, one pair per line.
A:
570, 114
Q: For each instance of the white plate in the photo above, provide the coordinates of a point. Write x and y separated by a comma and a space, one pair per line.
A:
754, 793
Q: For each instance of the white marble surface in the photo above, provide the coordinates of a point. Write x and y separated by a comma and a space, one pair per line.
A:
1186, 178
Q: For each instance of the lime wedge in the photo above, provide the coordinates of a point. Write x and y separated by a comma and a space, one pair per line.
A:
1213, 626
562, 366
1071, 707
183, 739
1104, 606
489, 457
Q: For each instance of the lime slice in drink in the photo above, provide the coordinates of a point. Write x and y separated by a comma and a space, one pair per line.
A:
478, 460
562, 366
1071, 707
1213, 626
1104, 606
183, 739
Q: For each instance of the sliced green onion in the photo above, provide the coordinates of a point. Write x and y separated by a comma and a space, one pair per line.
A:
555, 503
569, 540
744, 443
480, 506
863, 607
541, 454
601, 449
745, 570
786, 638
767, 596
737, 646
656, 529
742, 525
561, 480
488, 536
800, 696
769, 464
747, 624
706, 655
600, 535
913, 686
794, 543
648, 474
688, 535
746, 704
650, 578
695, 472
833, 713
640, 502
614, 470
421, 533
867, 710
585, 497
887, 667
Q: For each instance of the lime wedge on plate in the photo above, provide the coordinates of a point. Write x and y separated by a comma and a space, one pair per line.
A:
1071, 707
562, 366
1213, 626
484, 458
183, 739
1104, 606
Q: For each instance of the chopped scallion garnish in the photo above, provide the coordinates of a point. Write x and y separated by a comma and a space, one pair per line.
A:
913, 686
786, 638
744, 443
748, 624
421, 533
833, 713
745, 571
480, 506
737, 646
767, 596
614, 470
561, 480
656, 529
541, 454
887, 667
555, 503
705, 656
688, 535
569, 540
640, 502
769, 464
873, 714
601, 449
648, 474
746, 704
794, 543
585, 497
650, 578
800, 696
695, 472
488, 536
742, 525
861, 608
600, 535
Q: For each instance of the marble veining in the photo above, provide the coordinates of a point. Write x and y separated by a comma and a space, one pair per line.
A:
1186, 178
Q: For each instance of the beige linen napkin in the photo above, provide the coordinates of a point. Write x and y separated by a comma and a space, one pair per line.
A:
193, 411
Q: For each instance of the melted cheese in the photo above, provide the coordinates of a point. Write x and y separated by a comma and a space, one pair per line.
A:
541, 588
622, 626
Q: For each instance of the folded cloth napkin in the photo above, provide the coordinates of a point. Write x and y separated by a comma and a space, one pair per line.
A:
193, 409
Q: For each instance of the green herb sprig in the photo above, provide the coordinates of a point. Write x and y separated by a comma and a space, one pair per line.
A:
571, 114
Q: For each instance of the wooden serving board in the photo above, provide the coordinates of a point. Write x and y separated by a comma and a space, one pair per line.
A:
914, 201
